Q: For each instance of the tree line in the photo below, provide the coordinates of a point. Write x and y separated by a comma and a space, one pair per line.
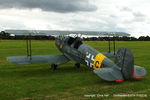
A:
124, 38
6, 36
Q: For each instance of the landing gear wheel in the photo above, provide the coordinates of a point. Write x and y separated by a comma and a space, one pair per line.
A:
53, 66
77, 65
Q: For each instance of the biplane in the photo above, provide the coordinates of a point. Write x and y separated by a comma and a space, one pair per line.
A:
73, 49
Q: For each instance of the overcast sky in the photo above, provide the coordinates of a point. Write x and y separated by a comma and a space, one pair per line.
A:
131, 16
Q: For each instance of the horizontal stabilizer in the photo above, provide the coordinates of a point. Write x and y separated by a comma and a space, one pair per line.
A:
109, 74
37, 59
138, 72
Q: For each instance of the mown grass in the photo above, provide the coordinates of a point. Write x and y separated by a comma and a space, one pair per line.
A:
39, 82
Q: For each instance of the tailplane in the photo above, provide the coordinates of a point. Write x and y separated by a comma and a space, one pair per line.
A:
125, 70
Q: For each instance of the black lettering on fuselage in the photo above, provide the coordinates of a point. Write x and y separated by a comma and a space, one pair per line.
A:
96, 64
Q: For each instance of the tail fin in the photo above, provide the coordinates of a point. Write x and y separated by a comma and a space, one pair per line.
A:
125, 60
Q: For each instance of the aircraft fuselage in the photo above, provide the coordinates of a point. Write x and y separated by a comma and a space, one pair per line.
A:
73, 49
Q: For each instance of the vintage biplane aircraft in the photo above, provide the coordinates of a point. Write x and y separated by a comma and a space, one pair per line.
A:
73, 49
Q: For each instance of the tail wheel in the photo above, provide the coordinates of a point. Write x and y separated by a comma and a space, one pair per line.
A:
53, 66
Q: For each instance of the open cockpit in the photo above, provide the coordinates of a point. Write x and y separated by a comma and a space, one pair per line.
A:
74, 42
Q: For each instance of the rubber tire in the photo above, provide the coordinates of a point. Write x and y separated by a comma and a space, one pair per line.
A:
54, 66
77, 65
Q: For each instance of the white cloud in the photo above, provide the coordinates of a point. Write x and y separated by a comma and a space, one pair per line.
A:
111, 15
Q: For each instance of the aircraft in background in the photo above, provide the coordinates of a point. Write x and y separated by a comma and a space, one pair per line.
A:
73, 49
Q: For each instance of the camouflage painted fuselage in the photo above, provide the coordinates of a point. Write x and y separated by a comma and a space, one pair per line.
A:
83, 54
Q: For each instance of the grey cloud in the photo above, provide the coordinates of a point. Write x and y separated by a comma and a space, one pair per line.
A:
126, 9
139, 17
113, 16
62, 6
138, 14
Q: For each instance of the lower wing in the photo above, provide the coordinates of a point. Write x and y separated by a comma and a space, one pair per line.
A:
38, 59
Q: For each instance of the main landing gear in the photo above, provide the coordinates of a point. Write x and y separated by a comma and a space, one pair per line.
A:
53, 66
77, 65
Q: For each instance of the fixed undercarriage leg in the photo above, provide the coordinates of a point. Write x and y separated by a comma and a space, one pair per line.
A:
54, 66
77, 65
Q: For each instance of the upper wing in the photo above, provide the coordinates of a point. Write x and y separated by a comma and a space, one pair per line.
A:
100, 33
56, 32
38, 59
36, 32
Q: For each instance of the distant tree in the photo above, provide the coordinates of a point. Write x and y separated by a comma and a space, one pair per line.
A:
133, 39
143, 38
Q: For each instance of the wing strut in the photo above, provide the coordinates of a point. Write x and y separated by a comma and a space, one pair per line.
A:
109, 45
114, 44
28, 45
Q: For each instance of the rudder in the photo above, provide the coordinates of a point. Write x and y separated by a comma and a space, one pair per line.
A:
125, 60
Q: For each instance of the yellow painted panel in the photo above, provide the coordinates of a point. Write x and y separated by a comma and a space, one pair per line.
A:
98, 60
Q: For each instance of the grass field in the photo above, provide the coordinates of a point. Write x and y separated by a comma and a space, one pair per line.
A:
39, 82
